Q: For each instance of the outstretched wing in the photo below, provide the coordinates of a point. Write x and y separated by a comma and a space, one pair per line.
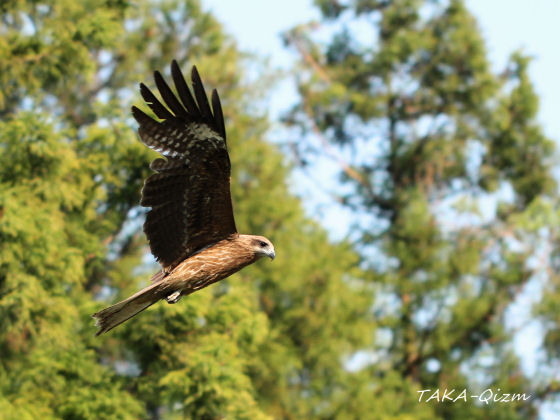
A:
189, 194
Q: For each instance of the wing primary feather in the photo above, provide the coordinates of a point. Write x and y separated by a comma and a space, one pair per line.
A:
183, 90
161, 111
140, 115
200, 94
168, 96
218, 115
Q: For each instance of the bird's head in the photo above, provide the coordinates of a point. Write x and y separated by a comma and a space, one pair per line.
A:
260, 245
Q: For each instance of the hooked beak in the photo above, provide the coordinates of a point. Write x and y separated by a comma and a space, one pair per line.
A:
272, 254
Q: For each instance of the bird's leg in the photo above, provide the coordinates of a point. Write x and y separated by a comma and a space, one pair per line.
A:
174, 297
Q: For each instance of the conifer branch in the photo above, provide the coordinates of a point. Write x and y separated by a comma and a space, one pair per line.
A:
294, 38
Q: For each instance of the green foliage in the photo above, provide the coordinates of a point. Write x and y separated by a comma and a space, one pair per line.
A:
435, 140
269, 342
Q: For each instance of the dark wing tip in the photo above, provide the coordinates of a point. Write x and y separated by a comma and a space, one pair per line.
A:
183, 90
194, 72
156, 106
139, 115
200, 94
218, 114
168, 96
144, 91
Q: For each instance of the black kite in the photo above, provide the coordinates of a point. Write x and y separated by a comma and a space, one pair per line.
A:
190, 227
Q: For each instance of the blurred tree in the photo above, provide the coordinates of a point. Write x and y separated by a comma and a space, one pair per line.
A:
270, 342
449, 177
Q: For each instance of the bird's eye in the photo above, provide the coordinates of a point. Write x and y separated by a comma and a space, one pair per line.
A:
263, 244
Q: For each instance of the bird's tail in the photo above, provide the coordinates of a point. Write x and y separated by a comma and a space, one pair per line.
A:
110, 317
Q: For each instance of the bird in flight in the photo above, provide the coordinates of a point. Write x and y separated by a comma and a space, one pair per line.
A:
190, 227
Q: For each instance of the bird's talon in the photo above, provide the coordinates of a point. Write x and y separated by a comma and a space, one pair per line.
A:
173, 297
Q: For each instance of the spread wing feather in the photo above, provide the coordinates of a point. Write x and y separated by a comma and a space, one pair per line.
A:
189, 194
219, 117
200, 94
184, 91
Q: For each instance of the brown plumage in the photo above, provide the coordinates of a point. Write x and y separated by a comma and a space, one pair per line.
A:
190, 227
